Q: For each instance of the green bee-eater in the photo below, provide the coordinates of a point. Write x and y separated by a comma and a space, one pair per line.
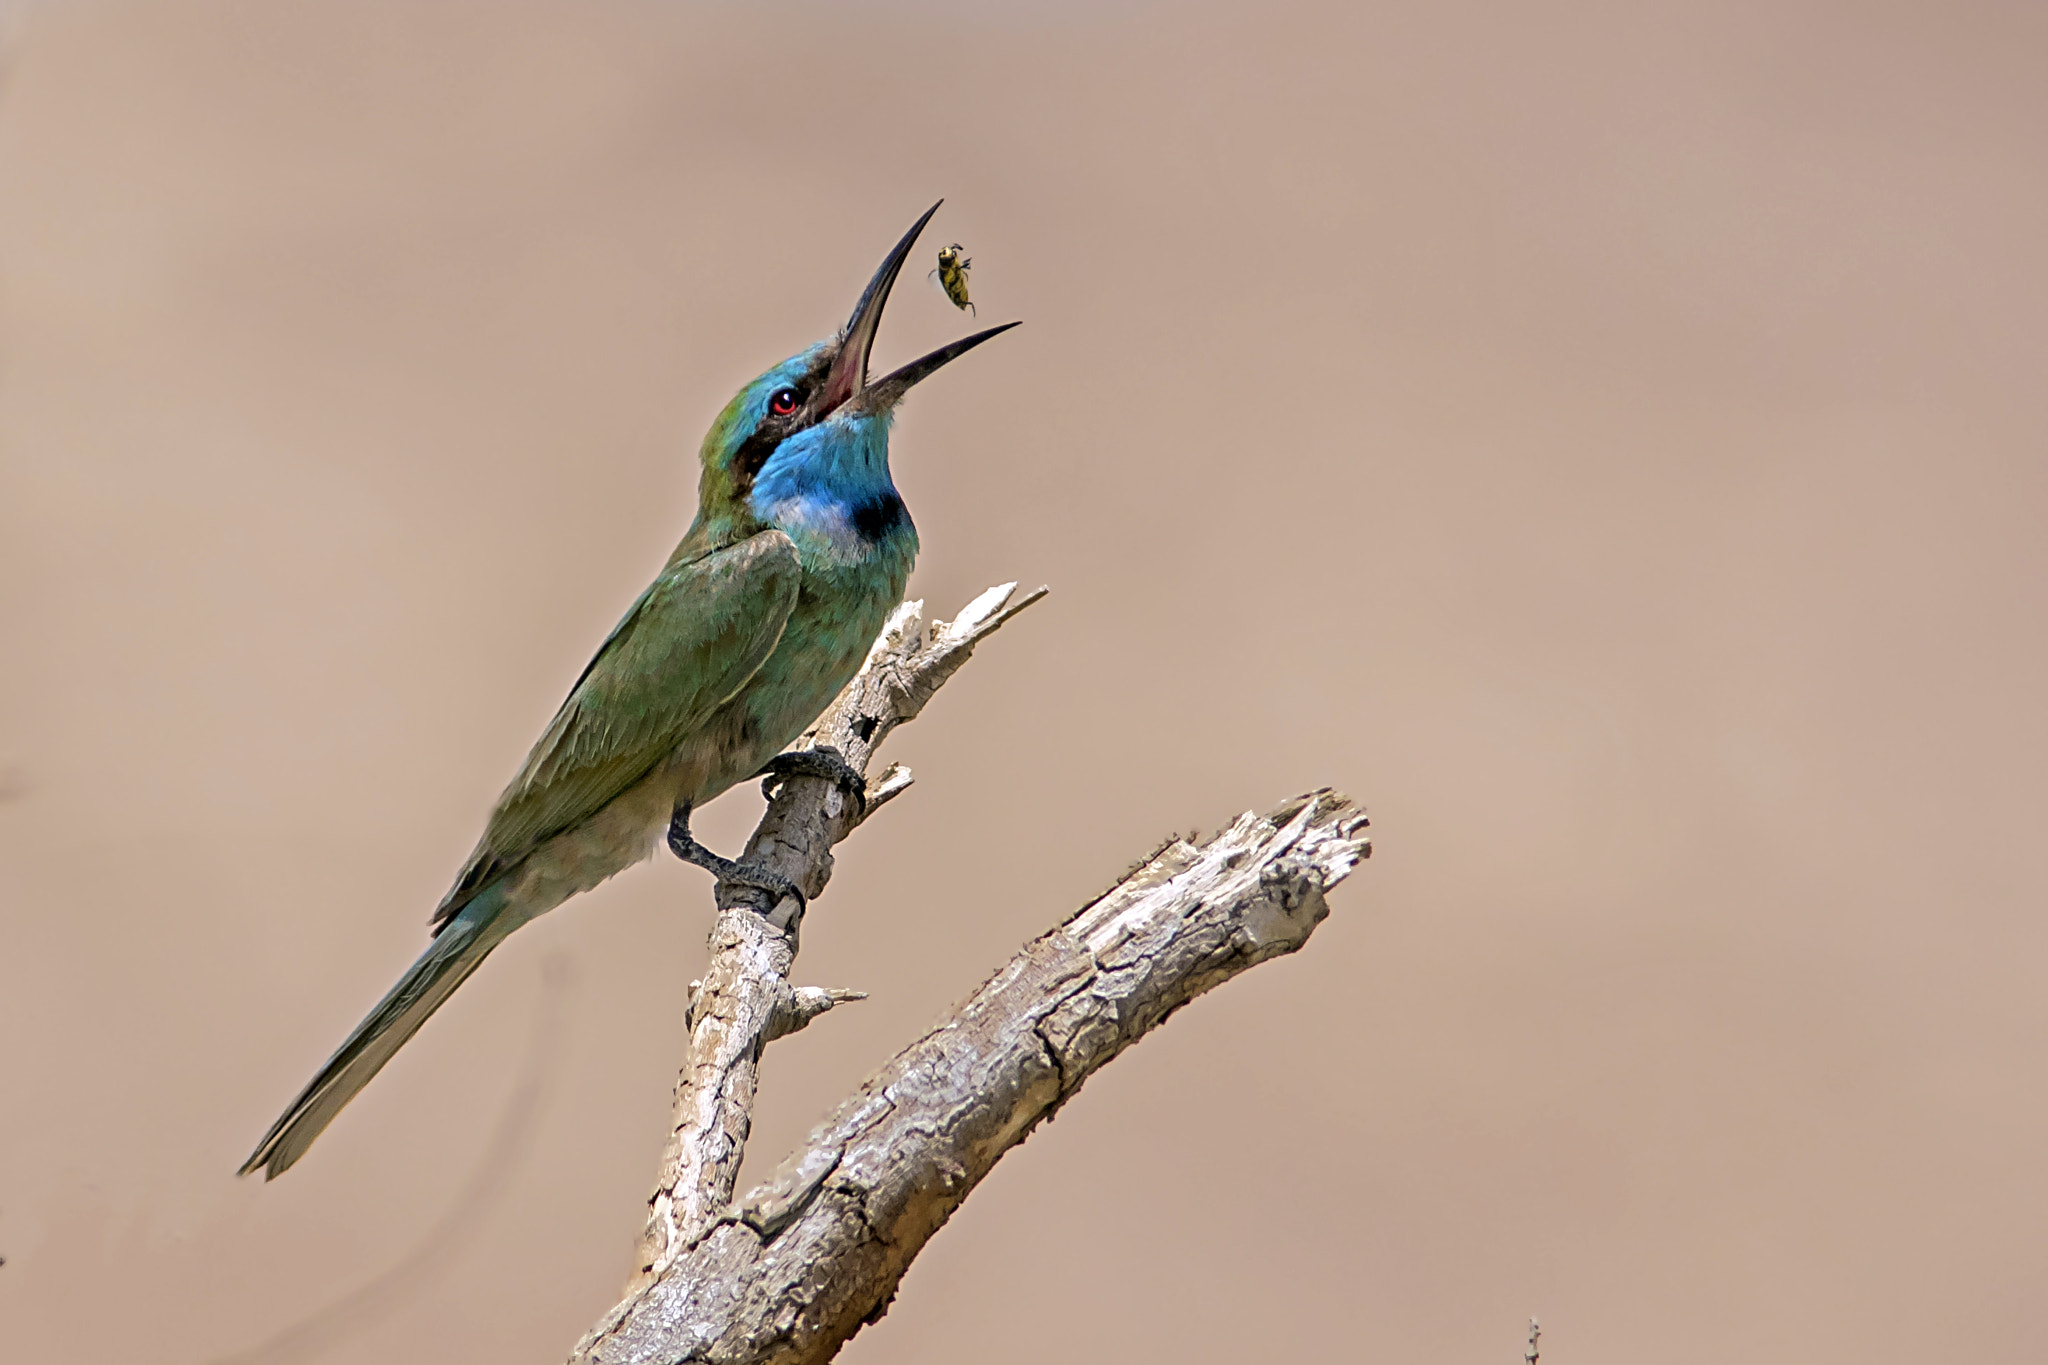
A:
800, 550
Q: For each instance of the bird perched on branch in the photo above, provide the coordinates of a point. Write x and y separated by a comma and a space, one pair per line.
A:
800, 550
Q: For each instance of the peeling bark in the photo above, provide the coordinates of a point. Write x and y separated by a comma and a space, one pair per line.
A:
786, 1275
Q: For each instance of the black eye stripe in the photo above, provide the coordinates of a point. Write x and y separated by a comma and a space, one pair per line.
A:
776, 426
773, 431
755, 450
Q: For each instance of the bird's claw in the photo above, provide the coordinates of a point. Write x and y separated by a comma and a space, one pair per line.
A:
825, 762
685, 846
774, 883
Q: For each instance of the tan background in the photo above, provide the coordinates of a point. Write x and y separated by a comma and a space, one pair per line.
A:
1606, 438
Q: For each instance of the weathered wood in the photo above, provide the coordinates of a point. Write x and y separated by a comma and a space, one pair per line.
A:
816, 1251
745, 998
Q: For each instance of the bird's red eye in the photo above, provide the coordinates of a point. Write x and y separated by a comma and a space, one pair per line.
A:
782, 402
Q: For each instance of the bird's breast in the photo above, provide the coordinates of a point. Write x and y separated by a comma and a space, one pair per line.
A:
839, 611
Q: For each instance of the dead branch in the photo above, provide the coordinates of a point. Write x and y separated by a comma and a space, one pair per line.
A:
816, 1251
745, 998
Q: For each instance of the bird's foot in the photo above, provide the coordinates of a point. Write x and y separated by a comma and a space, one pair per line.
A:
826, 762
685, 846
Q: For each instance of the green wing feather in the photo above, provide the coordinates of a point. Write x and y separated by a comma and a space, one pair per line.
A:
699, 632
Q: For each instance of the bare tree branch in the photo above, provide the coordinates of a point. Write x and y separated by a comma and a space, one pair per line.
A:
745, 998
817, 1250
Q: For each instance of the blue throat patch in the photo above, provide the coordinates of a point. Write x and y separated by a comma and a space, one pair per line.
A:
828, 488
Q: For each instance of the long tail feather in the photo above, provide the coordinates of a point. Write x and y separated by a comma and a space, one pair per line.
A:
455, 952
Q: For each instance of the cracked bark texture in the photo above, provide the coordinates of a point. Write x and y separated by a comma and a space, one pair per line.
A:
745, 999
816, 1251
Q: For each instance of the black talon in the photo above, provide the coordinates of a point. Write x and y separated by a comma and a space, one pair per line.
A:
685, 846
826, 762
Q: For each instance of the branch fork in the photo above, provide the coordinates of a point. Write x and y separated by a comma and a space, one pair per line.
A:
744, 999
793, 1011
791, 1271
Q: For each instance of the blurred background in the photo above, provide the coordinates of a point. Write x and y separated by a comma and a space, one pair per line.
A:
1605, 438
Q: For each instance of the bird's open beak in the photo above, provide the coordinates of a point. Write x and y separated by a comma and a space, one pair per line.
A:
847, 380
888, 391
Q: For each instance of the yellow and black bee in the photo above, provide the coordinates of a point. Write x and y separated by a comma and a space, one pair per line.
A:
952, 276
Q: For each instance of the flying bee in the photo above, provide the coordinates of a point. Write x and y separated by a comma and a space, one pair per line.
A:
952, 276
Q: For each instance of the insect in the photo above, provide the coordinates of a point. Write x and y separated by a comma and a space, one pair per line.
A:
952, 276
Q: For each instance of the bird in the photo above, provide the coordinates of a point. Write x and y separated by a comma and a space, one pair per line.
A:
800, 550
